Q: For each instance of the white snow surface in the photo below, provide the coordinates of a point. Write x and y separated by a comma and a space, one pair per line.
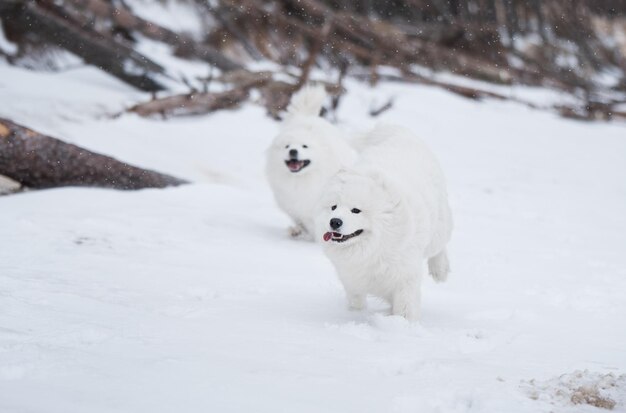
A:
193, 299
175, 16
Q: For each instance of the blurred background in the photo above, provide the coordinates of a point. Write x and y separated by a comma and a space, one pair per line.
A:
577, 46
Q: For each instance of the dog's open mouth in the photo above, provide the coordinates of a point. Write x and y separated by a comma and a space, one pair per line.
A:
337, 237
295, 165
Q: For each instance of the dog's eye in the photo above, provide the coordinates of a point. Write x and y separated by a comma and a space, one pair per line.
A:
355, 210
332, 208
304, 146
286, 146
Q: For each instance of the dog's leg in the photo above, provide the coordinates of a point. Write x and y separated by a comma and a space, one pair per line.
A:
439, 266
298, 231
356, 301
405, 301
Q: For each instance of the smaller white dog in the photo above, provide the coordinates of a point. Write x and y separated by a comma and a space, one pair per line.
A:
307, 152
382, 218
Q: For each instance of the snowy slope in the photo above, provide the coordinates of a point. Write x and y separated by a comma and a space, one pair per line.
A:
193, 299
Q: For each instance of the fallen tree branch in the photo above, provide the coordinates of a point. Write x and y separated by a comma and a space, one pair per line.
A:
184, 45
49, 22
191, 104
410, 77
194, 103
275, 96
224, 17
38, 161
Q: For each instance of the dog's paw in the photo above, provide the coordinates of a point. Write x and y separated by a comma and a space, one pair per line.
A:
298, 232
357, 302
295, 232
439, 275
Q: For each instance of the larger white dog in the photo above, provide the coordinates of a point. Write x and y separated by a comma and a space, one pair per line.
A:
383, 217
307, 152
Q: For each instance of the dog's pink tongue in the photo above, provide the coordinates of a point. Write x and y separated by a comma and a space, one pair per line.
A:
328, 236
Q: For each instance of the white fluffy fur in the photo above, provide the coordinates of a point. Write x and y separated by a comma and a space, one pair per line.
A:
317, 141
307, 102
399, 187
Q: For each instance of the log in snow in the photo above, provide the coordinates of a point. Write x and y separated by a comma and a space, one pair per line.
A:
190, 104
38, 161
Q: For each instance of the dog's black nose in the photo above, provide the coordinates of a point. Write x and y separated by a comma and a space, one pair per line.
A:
335, 223
293, 153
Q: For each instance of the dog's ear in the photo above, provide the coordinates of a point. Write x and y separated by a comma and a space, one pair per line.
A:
308, 101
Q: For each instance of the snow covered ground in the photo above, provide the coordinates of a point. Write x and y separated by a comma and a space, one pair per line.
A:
193, 299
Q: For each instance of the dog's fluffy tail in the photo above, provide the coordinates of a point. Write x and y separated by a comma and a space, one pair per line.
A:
308, 101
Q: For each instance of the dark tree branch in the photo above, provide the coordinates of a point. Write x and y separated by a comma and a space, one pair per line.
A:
192, 104
49, 22
184, 45
38, 161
